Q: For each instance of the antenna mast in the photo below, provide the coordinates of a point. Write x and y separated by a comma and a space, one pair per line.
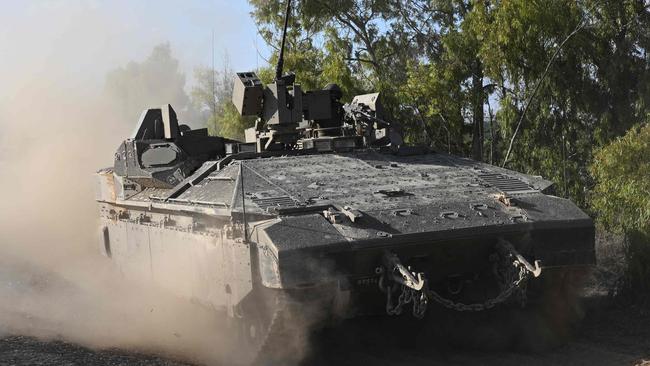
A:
243, 200
213, 91
278, 68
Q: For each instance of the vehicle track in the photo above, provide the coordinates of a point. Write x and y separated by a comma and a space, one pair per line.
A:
615, 337
610, 334
611, 337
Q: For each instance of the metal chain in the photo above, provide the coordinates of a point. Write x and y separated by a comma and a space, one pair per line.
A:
408, 295
512, 276
518, 284
390, 308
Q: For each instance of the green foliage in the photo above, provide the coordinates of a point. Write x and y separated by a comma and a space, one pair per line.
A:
211, 96
458, 73
622, 199
231, 124
622, 173
637, 274
345, 41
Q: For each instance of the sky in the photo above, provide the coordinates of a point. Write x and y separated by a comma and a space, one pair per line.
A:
75, 42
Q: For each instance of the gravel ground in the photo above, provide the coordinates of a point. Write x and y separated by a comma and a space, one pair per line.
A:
17, 350
610, 337
607, 337
611, 334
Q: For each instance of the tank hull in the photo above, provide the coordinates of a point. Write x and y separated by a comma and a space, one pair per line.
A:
205, 259
273, 240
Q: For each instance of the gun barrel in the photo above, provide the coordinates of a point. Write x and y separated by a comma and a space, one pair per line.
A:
278, 68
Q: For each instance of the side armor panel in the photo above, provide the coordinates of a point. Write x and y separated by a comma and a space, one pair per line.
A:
206, 267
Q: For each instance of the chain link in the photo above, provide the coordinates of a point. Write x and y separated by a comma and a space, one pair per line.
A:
517, 285
512, 276
408, 295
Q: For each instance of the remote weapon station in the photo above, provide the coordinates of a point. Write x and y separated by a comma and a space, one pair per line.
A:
324, 213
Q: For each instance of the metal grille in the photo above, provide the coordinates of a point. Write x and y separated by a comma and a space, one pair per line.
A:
506, 183
267, 202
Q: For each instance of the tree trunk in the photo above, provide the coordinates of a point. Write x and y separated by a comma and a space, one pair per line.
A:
493, 136
477, 114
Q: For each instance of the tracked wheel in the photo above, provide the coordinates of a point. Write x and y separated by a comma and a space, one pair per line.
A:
254, 322
269, 331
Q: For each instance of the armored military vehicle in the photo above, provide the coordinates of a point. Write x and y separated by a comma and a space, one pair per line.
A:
322, 213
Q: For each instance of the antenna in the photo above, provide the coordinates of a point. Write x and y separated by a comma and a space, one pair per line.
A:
278, 68
257, 54
213, 91
243, 200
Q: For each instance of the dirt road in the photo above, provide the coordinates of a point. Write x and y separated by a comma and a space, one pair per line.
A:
610, 334
619, 336
612, 337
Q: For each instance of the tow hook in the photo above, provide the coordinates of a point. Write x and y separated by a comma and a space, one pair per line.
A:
508, 248
402, 286
396, 280
401, 274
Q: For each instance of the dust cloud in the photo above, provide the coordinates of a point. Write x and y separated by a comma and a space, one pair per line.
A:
56, 129
53, 282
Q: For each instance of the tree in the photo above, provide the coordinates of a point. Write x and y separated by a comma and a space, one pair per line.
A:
212, 95
621, 197
585, 96
557, 78
151, 83
395, 47
446, 85
350, 42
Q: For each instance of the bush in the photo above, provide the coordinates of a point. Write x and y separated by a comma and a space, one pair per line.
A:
637, 253
621, 199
